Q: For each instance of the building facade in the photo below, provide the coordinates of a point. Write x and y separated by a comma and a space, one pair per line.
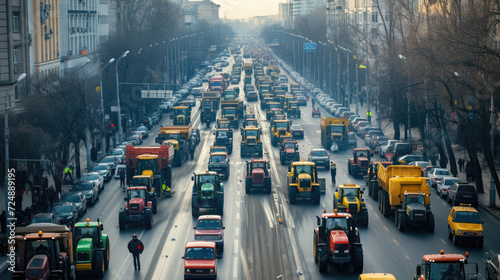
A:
47, 37
14, 55
285, 14
304, 7
201, 11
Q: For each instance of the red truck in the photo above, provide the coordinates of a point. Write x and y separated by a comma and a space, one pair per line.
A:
146, 160
217, 84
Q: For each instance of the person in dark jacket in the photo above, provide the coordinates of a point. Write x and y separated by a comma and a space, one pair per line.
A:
122, 178
135, 247
461, 163
333, 172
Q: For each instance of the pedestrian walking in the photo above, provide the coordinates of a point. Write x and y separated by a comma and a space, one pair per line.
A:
333, 172
135, 247
122, 178
192, 148
461, 164
52, 196
67, 172
468, 171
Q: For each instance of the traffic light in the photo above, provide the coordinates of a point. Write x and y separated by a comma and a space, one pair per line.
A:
111, 127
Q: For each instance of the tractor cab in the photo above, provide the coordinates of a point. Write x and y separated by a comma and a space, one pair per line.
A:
218, 149
182, 115
444, 266
362, 154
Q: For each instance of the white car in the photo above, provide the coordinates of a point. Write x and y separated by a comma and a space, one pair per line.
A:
437, 174
443, 185
119, 167
95, 177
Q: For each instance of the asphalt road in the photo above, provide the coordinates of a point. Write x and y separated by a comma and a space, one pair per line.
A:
257, 245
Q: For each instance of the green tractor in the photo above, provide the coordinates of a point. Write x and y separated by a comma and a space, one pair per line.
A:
208, 192
91, 248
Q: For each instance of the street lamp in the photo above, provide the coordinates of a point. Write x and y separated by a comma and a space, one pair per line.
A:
103, 142
118, 98
403, 58
6, 135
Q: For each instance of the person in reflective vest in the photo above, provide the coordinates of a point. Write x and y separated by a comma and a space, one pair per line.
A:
369, 116
67, 172
165, 188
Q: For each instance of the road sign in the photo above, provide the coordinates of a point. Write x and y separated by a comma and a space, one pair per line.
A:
106, 117
213, 48
156, 93
98, 89
310, 47
388, 156
114, 108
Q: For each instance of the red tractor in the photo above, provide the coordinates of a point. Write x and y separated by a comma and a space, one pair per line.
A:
257, 175
359, 163
337, 241
137, 209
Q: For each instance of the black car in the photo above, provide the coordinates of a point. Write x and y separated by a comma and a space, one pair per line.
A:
89, 189
66, 212
111, 161
462, 193
78, 199
45, 218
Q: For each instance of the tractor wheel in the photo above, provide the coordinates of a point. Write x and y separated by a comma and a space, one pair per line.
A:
355, 171
386, 207
316, 194
449, 233
98, 264
195, 208
299, 115
323, 265
220, 204
349, 167
401, 222
315, 247
121, 219
479, 243
107, 254
454, 239
274, 141
363, 221
148, 219
154, 203
357, 259
282, 159
374, 187
379, 202
242, 153
248, 185
268, 185
430, 222
292, 194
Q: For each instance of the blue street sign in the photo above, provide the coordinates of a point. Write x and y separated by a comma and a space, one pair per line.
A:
309, 47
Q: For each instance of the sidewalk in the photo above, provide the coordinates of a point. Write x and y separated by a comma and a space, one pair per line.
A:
484, 198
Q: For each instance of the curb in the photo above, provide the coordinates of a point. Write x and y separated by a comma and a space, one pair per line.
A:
490, 211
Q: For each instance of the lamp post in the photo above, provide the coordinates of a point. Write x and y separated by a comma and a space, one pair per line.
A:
118, 98
103, 142
6, 135
403, 58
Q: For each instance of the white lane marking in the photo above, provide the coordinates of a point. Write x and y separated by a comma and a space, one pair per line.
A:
244, 265
235, 267
323, 204
237, 231
395, 242
238, 193
269, 214
386, 228
237, 216
235, 244
295, 251
442, 240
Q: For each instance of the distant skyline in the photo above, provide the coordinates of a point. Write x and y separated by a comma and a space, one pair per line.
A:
240, 9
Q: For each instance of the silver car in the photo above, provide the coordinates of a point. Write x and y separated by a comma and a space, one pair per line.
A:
436, 175
104, 170
443, 185
95, 177
320, 157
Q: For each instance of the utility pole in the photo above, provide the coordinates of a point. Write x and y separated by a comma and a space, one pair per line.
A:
120, 130
357, 87
347, 88
338, 78
492, 148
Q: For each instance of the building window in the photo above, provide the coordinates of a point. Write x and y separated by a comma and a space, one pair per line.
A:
15, 22
14, 56
16, 93
374, 17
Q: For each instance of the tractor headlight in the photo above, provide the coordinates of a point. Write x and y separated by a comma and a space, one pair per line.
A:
459, 231
335, 251
187, 270
346, 251
211, 270
480, 233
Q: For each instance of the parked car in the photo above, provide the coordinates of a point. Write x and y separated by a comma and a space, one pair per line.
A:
410, 158
493, 268
45, 218
66, 212
437, 174
360, 125
94, 176
78, 199
443, 185
369, 136
111, 161
89, 189
388, 148
462, 193
353, 141
421, 163
320, 157
297, 131
377, 141
104, 170
428, 169
143, 130
118, 152
401, 149
135, 139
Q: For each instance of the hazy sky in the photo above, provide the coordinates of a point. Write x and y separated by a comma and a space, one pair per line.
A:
247, 8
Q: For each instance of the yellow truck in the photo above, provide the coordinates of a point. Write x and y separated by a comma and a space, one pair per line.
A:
334, 130
403, 192
181, 115
177, 137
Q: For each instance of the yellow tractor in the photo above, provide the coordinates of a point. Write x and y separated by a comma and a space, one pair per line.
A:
182, 115
280, 130
303, 181
348, 199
